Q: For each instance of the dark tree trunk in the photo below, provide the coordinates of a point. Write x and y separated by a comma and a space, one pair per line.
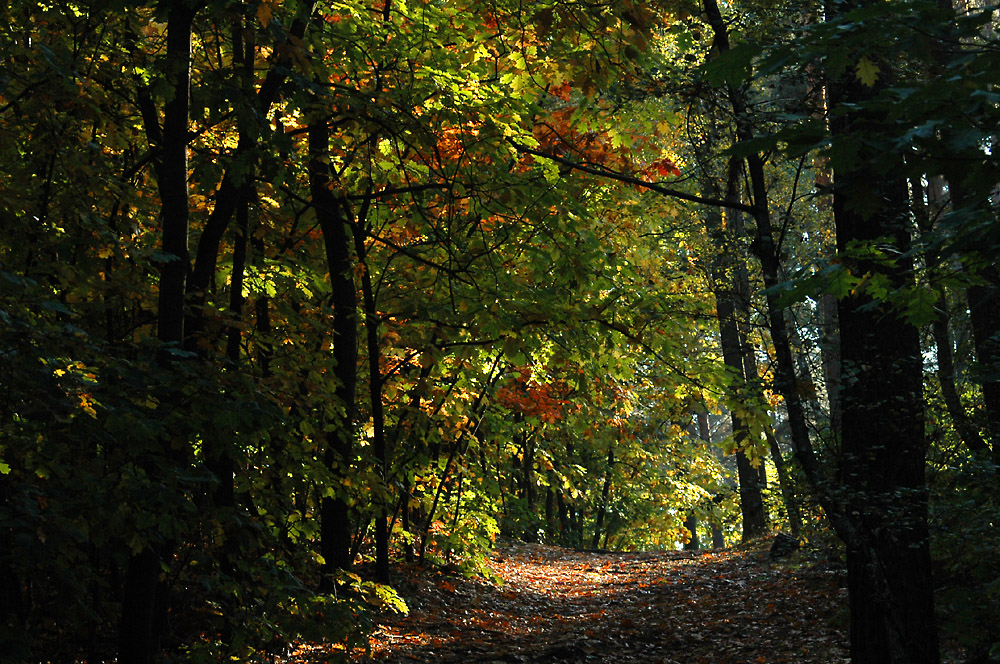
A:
984, 312
378, 413
926, 210
172, 174
691, 523
733, 348
138, 638
881, 468
964, 425
335, 522
602, 508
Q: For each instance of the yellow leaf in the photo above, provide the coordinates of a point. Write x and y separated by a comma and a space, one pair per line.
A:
866, 71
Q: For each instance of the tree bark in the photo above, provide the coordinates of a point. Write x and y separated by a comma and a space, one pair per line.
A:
378, 413
335, 522
602, 508
733, 345
881, 466
138, 638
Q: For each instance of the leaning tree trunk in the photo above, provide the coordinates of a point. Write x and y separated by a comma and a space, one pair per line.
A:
733, 347
984, 310
983, 297
927, 211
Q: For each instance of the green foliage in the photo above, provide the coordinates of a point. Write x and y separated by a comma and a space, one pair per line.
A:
963, 519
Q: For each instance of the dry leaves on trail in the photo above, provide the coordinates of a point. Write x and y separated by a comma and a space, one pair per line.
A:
557, 605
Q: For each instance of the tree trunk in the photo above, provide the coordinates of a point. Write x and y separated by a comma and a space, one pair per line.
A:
733, 348
926, 210
881, 468
602, 508
335, 523
381, 492
691, 523
138, 638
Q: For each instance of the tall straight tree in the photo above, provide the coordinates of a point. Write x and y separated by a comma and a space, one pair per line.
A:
335, 524
734, 346
142, 595
881, 466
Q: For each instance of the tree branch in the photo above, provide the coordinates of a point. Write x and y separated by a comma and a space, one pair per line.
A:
628, 179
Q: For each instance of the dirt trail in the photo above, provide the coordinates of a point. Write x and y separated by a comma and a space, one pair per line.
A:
557, 605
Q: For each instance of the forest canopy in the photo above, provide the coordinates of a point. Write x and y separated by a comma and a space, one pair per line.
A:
293, 293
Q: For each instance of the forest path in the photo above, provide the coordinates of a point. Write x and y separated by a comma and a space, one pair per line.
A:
563, 606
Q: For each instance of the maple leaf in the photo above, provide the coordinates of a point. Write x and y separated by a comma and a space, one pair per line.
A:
866, 71
264, 13
666, 167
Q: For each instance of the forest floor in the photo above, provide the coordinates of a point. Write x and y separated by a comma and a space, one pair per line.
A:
557, 605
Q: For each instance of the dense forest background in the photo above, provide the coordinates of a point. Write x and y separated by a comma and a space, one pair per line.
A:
291, 286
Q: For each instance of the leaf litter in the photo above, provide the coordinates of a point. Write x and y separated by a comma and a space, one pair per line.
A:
551, 604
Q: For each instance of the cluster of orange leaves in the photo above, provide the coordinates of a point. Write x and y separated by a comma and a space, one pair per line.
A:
545, 401
558, 136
